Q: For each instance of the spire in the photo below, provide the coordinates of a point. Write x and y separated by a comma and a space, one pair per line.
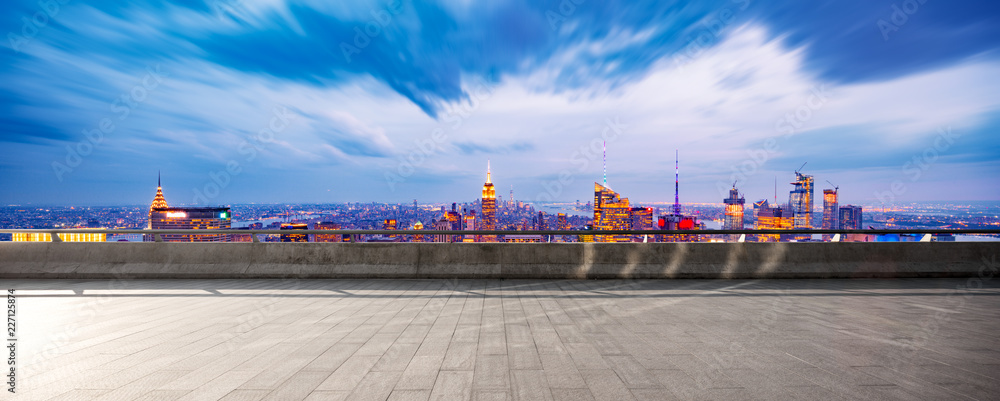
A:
605, 164
158, 201
488, 171
677, 185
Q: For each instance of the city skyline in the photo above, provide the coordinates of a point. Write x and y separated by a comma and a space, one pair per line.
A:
391, 101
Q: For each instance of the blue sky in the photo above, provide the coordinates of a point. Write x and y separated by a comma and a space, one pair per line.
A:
315, 101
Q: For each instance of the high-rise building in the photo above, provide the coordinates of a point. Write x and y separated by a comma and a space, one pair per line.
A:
734, 212
800, 200
294, 237
454, 220
611, 212
489, 206
642, 219
831, 212
772, 218
158, 201
470, 224
850, 217
163, 217
327, 225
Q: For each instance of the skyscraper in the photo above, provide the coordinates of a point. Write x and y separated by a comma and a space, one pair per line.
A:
800, 200
734, 210
159, 202
850, 217
489, 206
611, 212
163, 217
642, 219
772, 218
831, 212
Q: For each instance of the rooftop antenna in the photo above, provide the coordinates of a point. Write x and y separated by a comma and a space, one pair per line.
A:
488, 171
158, 178
605, 164
677, 185
775, 190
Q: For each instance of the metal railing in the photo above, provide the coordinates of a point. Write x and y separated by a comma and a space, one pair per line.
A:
254, 233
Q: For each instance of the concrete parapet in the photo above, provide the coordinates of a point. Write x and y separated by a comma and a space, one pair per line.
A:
495, 260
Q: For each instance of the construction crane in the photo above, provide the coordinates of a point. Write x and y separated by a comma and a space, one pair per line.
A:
835, 187
800, 168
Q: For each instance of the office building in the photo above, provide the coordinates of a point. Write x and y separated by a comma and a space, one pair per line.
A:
831, 212
489, 206
164, 217
642, 219
850, 217
328, 225
734, 212
772, 218
294, 237
611, 212
800, 200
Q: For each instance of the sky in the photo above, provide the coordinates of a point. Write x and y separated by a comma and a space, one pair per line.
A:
238, 101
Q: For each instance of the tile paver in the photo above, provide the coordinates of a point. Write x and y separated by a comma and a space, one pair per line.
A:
507, 340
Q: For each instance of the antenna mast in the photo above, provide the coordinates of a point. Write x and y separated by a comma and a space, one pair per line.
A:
677, 180
605, 163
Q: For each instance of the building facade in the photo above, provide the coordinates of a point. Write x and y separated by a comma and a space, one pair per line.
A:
611, 212
489, 207
800, 201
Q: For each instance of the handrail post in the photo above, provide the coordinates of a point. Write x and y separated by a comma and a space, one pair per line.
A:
158, 238
55, 237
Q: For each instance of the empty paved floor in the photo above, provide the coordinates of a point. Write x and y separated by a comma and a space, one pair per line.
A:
494, 340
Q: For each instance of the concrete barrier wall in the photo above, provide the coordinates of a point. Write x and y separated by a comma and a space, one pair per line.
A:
557, 261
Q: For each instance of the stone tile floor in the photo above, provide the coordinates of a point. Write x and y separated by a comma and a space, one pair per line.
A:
906, 339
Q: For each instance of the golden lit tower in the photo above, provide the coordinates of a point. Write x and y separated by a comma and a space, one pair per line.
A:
489, 205
734, 210
158, 201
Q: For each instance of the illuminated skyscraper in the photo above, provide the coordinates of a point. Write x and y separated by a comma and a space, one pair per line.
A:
831, 212
163, 217
159, 202
801, 200
470, 224
850, 217
489, 206
611, 212
642, 219
734, 211
772, 218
